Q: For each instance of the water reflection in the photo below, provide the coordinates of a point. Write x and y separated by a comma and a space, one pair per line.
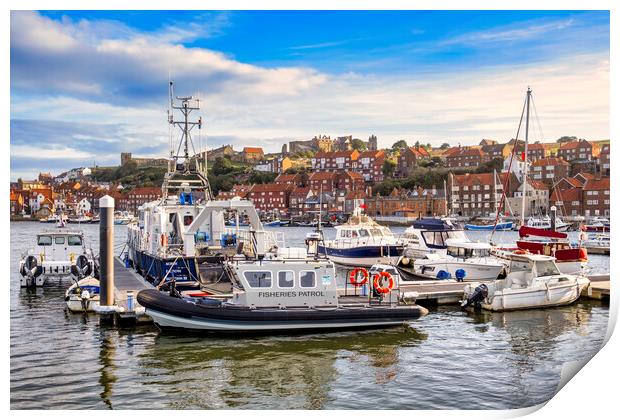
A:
107, 369
297, 370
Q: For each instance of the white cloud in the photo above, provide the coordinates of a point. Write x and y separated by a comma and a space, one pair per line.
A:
21, 151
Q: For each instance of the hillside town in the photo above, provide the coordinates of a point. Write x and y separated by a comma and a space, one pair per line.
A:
335, 175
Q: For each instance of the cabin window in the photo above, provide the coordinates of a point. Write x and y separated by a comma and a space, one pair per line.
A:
59, 240
286, 279
187, 220
376, 232
258, 278
74, 240
364, 233
44, 240
307, 279
546, 268
354, 234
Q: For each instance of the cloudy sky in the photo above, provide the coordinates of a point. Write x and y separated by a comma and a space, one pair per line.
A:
86, 86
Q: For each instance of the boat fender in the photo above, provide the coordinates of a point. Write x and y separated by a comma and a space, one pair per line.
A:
378, 281
521, 251
31, 268
441, 274
405, 261
460, 274
479, 294
353, 276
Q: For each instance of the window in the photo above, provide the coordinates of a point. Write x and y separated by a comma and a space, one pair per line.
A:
187, 220
286, 279
74, 240
307, 279
44, 240
258, 278
59, 240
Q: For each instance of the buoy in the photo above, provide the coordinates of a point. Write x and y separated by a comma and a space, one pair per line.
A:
353, 276
378, 281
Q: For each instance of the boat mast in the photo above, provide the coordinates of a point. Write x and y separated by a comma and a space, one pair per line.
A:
445, 194
527, 128
190, 174
495, 203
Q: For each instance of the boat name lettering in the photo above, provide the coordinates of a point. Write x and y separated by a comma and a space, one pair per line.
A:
290, 294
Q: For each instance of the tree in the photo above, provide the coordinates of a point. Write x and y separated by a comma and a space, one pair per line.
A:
222, 166
400, 144
445, 146
417, 144
358, 145
495, 164
388, 168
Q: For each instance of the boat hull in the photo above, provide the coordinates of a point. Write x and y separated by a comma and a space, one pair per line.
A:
474, 272
542, 297
500, 226
173, 313
363, 256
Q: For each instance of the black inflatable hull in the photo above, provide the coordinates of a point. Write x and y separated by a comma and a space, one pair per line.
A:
209, 315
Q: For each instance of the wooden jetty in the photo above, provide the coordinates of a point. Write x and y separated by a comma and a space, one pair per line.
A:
599, 287
598, 250
126, 280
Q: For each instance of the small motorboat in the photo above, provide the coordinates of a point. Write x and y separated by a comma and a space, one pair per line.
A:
56, 254
273, 223
545, 223
597, 243
362, 242
598, 224
533, 281
123, 218
83, 295
291, 291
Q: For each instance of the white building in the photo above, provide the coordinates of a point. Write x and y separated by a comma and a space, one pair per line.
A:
83, 206
517, 167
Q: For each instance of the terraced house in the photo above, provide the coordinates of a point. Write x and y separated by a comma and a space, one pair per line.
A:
335, 161
549, 170
409, 159
478, 194
466, 157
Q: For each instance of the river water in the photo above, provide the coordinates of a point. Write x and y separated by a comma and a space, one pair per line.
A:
446, 360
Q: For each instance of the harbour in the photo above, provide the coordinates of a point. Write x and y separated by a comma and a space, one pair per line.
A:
135, 366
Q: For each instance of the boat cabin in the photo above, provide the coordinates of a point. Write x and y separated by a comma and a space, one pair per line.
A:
59, 244
284, 283
464, 250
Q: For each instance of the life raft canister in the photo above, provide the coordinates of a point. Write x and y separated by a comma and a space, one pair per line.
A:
353, 276
377, 282
164, 240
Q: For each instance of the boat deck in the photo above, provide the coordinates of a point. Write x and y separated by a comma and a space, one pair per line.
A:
126, 280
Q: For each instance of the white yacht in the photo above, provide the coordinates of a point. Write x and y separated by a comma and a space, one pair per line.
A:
429, 235
58, 253
362, 242
123, 218
534, 281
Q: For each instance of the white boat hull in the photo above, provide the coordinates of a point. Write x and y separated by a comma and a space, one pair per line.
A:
532, 298
77, 304
474, 272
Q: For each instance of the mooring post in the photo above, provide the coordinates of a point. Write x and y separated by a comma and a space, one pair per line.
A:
553, 213
106, 250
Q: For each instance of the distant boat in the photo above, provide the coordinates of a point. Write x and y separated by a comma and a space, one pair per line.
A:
499, 226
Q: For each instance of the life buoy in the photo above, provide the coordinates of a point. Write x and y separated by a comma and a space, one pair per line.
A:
353, 276
377, 282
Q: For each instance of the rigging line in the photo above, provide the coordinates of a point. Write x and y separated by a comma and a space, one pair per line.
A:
505, 183
542, 136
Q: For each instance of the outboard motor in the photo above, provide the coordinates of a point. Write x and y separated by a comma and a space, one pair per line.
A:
82, 267
460, 274
31, 267
480, 294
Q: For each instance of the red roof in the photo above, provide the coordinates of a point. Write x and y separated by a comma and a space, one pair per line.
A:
572, 194
270, 188
550, 161
535, 146
419, 151
284, 178
597, 184
253, 150
319, 176
353, 175
372, 153
574, 144
537, 185
300, 192
465, 151
471, 179
353, 154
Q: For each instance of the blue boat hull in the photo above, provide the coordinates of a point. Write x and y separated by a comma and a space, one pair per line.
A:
154, 269
500, 226
363, 255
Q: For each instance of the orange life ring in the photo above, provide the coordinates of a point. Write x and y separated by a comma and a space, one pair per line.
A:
383, 289
353, 276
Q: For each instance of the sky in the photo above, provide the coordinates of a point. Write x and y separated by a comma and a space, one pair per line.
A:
88, 85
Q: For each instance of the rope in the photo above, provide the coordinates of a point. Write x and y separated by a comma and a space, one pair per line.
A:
164, 279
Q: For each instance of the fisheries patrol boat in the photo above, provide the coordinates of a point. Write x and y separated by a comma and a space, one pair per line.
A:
56, 255
362, 242
289, 291
534, 281
182, 237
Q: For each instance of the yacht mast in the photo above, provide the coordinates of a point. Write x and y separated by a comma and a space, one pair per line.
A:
527, 128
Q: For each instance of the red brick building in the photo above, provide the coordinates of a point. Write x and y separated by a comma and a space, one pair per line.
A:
270, 197
466, 157
418, 202
567, 201
536, 151
323, 181
299, 180
252, 154
297, 198
351, 181
138, 196
575, 150
238, 190
335, 161
582, 195
549, 170
596, 196
603, 160
408, 160
473, 194
370, 163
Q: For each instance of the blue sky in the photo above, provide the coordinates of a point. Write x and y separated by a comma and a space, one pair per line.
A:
86, 85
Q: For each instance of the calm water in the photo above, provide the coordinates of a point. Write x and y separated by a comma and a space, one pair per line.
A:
449, 359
